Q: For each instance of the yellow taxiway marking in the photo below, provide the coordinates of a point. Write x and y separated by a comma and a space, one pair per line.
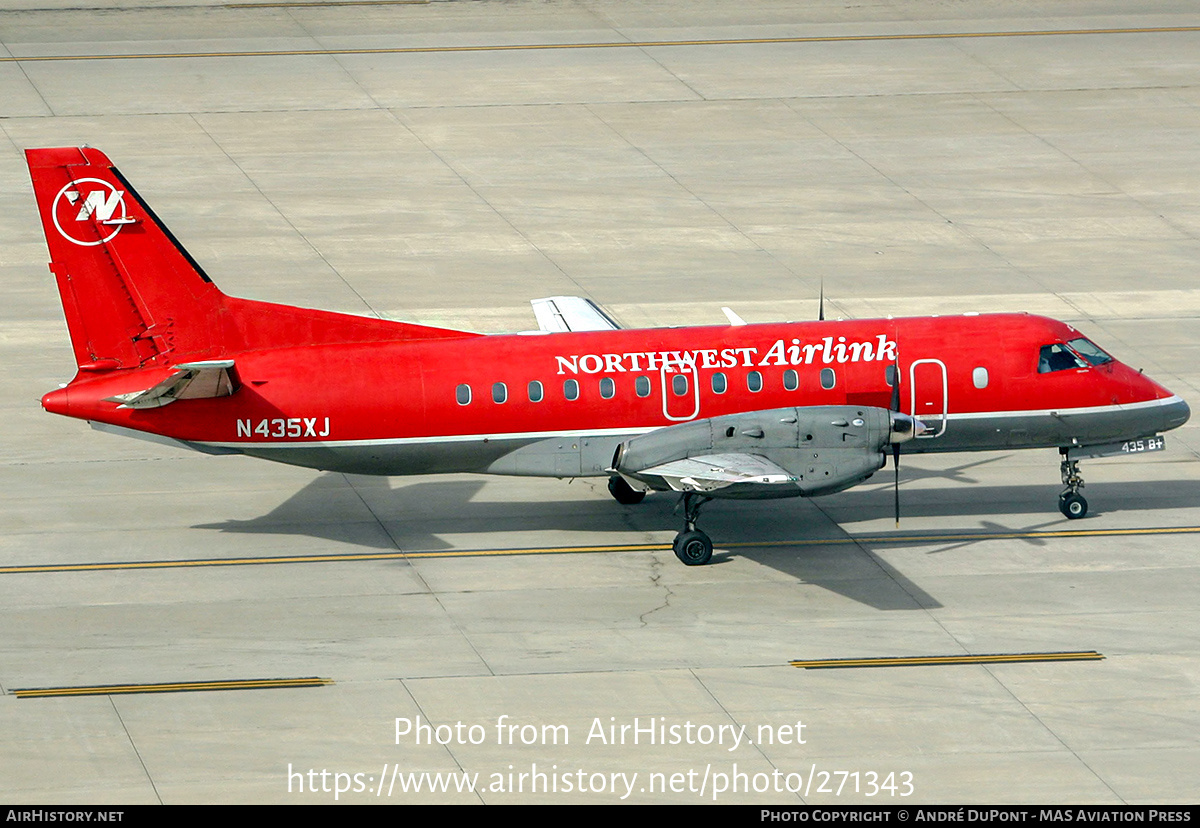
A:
618, 44
294, 559
865, 540
324, 4
176, 687
918, 661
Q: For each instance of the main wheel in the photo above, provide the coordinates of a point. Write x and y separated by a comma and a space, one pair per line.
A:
1072, 505
694, 548
623, 493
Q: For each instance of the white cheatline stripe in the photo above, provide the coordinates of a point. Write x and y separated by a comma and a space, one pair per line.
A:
1046, 412
439, 438
622, 432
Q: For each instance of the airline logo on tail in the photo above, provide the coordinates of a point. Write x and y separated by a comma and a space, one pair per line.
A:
85, 210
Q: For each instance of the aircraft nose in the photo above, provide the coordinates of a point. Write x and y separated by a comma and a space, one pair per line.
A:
1175, 414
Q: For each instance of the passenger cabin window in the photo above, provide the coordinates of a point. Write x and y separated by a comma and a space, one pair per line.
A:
499, 392
607, 388
571, 389
828, 378
535, 391
642, 386
754, 381
679, 384
980, 377
1058, 357
463, 394
889, 376
719, 385
791, 380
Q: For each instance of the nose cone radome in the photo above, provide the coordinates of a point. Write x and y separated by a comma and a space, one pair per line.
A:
1175, 414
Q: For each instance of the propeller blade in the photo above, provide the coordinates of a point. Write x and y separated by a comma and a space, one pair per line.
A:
896, 489
895, 386
821, 306
896, 446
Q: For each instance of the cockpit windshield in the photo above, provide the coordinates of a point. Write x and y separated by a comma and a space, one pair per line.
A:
1058, 357
1089, 351
1078, 353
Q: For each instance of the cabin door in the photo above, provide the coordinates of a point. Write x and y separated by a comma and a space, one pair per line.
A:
929, 395
680, 391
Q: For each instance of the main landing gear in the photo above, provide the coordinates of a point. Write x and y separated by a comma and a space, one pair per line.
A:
692, 546
1070, 502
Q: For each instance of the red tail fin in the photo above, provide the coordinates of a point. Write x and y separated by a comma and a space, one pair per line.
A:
133, 296
126, 283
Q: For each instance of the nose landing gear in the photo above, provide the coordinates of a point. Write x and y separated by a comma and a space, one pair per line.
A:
1070, 502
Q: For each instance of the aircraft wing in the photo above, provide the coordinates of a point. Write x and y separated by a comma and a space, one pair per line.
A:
709, 472
560, 314
190, 381
781, 452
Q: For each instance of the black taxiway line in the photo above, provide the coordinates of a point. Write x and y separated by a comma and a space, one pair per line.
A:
933, 661
175, 687
865, 540
617, 44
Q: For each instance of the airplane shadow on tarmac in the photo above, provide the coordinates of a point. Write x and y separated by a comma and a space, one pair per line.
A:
414, 517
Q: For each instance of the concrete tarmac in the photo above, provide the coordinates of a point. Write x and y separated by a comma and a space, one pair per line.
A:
663, 159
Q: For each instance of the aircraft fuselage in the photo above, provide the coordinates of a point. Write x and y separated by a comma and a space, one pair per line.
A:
558, 404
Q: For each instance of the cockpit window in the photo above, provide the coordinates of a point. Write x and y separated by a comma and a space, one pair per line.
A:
1058, 357
1089, 351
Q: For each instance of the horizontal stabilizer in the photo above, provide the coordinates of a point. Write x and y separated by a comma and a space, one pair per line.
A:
562, 314
190, 381
710, 472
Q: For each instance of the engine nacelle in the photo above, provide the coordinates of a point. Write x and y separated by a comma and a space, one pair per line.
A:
824, 448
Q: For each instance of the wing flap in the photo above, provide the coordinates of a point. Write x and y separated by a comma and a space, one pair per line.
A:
710, 472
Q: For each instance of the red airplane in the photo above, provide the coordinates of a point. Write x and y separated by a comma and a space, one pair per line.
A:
732, 411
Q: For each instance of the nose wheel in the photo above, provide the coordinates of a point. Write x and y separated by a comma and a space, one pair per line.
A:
1071, 503
692, 546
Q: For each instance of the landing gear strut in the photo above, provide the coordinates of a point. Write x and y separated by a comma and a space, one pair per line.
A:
1070, 502
692, 546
